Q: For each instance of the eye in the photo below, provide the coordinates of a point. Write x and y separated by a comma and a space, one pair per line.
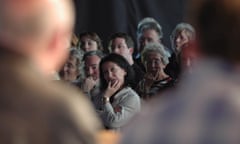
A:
90, 43
70, 65
113, 69
94, 67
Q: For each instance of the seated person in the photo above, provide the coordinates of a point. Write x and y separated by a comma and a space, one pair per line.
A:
182, 37
90, 83
71, 71
155, 59
122, 44
117, 103
90, 41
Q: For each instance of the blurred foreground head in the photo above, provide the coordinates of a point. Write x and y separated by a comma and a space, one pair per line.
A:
39, 30
218, 26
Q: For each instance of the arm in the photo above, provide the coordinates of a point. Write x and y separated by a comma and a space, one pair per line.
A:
128, 106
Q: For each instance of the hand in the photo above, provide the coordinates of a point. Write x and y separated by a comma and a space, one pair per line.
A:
112, 88
149, 79
89, 83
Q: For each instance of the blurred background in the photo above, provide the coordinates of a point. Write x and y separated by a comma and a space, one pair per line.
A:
109, 16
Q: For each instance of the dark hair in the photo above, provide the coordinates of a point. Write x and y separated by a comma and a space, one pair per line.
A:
126, 37
121, 62
93, 36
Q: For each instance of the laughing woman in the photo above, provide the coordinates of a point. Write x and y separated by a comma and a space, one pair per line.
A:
119, 103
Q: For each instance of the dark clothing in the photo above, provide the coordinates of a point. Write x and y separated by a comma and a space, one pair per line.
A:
138, 61
139, 74
173, 69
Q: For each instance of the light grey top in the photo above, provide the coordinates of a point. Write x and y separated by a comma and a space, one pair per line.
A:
125, 105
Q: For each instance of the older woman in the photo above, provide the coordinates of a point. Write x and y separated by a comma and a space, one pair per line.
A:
155, 59
71, 71
90, 41
117, 103
182, 37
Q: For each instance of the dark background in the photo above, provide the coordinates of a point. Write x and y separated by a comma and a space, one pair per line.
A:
109, 16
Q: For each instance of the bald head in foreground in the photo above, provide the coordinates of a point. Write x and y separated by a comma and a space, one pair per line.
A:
205, 107
34, 37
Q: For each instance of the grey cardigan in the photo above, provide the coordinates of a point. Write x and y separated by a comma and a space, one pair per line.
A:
125, 105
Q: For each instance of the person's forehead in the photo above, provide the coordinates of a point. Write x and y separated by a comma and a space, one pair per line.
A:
149, 33
118, 40
94, 59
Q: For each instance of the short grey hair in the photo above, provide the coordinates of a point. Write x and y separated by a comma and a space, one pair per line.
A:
149, 23
98, 53
184, 26
78, 54
157, 48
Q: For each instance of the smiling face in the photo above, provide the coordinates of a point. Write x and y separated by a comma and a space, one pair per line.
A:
91, 66
112, 73
70, 69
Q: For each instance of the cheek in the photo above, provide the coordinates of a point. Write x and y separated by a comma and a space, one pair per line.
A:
73, 70
163, 66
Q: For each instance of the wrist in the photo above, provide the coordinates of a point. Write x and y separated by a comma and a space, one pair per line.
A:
106, 99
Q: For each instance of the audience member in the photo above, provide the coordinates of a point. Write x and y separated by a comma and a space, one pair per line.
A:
90, 84
182, 37
34, 37
117, 103
71, 71
122, 44
155, 58
90, 41
148, 30
206, 108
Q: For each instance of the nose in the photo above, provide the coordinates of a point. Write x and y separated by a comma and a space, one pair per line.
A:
65, 68
89, 71
153, 64
115, 50
178, 39
108, 76
84, 46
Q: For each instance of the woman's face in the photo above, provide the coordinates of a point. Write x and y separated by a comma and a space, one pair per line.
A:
87, 44
112, 73
180, 40
153, 63
70, 69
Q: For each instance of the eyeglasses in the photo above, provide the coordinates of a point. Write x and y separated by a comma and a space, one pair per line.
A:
153, 61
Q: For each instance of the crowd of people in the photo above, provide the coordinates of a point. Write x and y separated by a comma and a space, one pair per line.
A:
59, 87
118, 90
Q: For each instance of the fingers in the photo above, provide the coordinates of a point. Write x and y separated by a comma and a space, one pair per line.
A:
113, 86
156, 75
